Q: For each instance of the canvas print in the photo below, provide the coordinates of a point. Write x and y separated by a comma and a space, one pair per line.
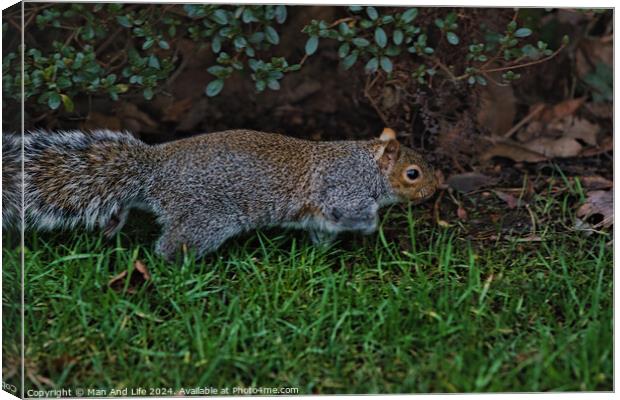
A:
278, 199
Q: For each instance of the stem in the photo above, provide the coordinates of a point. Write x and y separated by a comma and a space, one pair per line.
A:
542, 60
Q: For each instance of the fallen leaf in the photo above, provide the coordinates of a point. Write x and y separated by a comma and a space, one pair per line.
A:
551, 148
607, 144
469, 181
139, 275
461, 213
595, 183
561, 110
514, 152
143, 269
602, 110
598, 202
511, 201
116, 279
577, 128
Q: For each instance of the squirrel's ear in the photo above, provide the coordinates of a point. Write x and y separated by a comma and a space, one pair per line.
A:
386, 153
387, 134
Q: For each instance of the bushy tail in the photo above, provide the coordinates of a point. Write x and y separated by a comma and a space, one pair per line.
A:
72, 178
11, 179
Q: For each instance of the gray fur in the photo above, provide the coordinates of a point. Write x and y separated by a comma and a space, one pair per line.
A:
204, 189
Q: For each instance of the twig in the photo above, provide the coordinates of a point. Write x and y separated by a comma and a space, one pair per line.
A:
338, 21
526, 119
108, 41
373, 103
542, 60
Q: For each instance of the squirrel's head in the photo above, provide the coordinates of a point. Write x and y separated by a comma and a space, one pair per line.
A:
411, 178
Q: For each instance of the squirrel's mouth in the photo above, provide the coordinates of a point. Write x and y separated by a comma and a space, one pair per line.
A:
423, 194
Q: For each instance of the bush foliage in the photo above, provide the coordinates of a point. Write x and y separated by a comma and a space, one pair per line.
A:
74, 58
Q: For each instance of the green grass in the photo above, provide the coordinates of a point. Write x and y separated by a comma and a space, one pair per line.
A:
415, 308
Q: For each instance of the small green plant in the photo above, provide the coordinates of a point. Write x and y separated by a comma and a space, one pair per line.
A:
243, 31
115, 49
81, 60
381, 41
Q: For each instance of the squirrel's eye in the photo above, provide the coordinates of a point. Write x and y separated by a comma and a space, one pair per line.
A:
413, 174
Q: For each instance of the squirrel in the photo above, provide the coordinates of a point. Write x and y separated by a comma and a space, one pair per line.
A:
210, 187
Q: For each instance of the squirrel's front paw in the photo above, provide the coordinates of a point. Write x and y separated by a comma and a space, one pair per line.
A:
322, 238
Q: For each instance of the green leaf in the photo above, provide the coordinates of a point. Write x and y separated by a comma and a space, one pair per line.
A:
343, 50
216, 44
523, 32
148, 93
215, 87
54, 100
311, 45
398, 37
260, 85
273, 84
272, 35
256, 37
452, 38
248, 16
380, 37
372, 65
565, 40
372, 13
409, 15
512, 25
163, 45
360, 42
154, 62
122, 87
147, 44
67, 102
481, 80
216, 70
220, 16
124, 21
240, 42
355, 9
386, 64
349, 60
280, 14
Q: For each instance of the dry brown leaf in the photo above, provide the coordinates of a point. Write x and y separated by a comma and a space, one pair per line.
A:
469, 181
461, 213
143, 269
116, 279
138, 277
511, 201
607, 144
602, 110
514, 152
595, 182
580, 128
598, 202
552, 148
561, 110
